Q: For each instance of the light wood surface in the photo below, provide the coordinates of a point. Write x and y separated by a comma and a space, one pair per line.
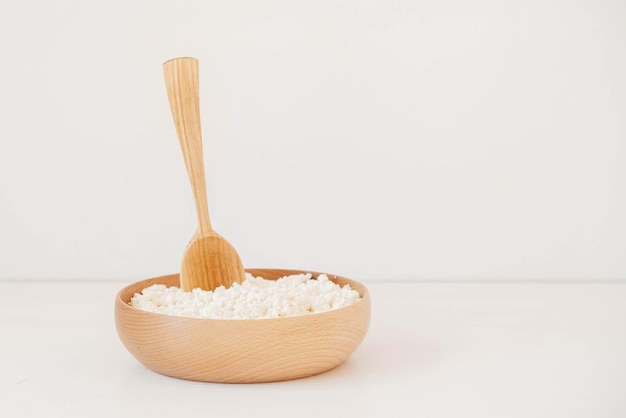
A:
242, 351
209, 260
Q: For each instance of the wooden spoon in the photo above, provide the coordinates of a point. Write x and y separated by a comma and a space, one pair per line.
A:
209, 261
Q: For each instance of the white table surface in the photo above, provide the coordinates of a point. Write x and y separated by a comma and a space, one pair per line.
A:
433, 350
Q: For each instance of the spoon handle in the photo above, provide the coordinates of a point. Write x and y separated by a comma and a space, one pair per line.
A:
181, 81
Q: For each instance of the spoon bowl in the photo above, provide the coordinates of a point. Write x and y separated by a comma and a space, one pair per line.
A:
197, 272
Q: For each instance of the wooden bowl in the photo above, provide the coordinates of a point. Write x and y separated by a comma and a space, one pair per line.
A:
238, 350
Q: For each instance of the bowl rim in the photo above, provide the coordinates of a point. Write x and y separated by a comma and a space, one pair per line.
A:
354, 285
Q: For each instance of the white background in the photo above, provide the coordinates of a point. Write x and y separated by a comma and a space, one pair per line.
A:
380, 140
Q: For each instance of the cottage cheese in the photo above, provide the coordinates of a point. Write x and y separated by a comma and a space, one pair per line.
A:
255, 298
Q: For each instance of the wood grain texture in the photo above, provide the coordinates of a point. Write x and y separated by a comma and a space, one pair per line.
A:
242, 351
209, 260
